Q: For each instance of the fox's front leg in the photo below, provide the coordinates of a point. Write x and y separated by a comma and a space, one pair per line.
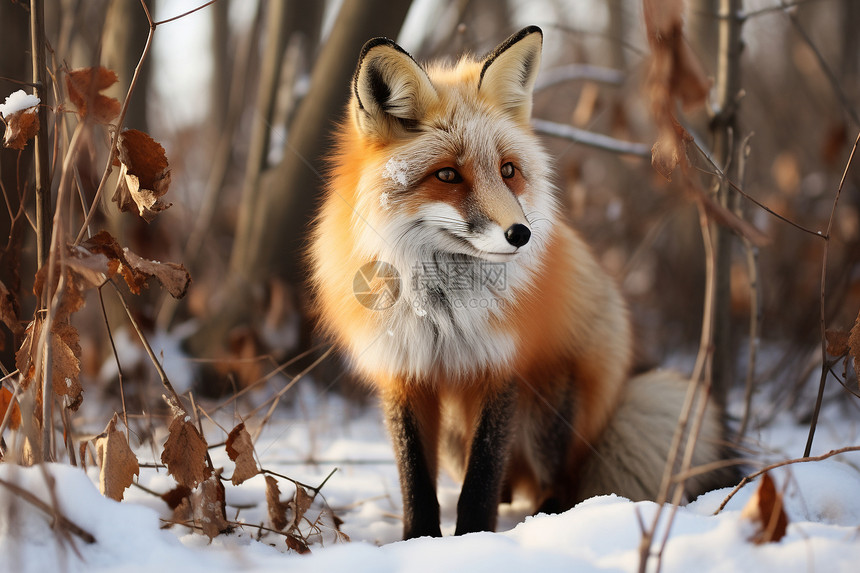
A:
478, 506
413, 420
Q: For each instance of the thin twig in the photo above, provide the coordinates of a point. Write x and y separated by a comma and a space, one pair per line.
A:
165, 381
822, 315
277, 397
765, 469
700, 371
719, 173
59, 518
115, 139
703, 389
267, 376
315, 489
118, 364
782, 7
847, 106
13, 403
40, 156
184, 14
755, 315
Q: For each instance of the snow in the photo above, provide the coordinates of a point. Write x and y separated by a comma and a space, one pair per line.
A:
17, 101
319, 433
397, 171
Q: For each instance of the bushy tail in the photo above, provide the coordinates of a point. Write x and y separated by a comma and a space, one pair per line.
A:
630, 457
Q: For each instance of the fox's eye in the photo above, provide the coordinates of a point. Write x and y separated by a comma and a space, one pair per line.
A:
449, 175
508, 170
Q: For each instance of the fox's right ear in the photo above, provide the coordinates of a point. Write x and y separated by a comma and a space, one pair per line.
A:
391, 90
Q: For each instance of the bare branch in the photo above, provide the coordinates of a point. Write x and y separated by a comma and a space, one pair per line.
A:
576, 72
765, 469
822, 316
184, 14
58, 517
596, 140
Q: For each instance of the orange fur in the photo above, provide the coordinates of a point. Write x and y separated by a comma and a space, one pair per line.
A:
440, 357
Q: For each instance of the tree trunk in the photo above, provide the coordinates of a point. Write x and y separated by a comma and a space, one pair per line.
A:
124, 36
616, 32
727, 153
704, 29
273, 226
276, 210
14, 165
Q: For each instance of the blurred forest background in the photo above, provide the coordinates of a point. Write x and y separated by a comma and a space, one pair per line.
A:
243, 94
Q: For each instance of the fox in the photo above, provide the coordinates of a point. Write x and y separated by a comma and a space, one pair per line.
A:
442, 267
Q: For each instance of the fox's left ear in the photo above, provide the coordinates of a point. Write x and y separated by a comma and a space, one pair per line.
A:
509, 72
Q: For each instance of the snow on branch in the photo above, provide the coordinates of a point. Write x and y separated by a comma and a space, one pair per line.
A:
590, 139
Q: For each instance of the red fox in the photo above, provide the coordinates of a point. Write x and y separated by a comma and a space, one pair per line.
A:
441, 266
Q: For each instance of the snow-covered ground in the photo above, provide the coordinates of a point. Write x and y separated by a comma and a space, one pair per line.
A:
821, 498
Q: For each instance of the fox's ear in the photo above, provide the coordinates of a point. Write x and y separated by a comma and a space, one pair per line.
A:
392, 91
509, 72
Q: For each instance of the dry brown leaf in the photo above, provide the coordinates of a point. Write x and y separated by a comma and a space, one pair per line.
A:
184, 452
675, 75
92, 269
65, 360
71, 298
300, 504
5, 402
118, 464
854, 347
172, 276
66, 364
670, 149
104, 244
135, 269
240, 449
765, 511
209, 508
277, 509
175, 496
183, 513
84, 85
25, 357
82, 453
675, 69
9, 312
144, 174
837, 342
297, 544
21, 127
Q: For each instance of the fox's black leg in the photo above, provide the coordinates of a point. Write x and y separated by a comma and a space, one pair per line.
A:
414, 430
553, 440
478, 506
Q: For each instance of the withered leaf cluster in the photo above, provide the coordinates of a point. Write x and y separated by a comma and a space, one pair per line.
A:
85, 266
144, 175
21, 126
84, 86
675, 76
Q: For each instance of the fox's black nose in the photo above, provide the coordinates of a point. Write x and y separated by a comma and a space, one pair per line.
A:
518, 235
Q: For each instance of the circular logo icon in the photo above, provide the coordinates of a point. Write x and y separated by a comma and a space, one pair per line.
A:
376, 285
